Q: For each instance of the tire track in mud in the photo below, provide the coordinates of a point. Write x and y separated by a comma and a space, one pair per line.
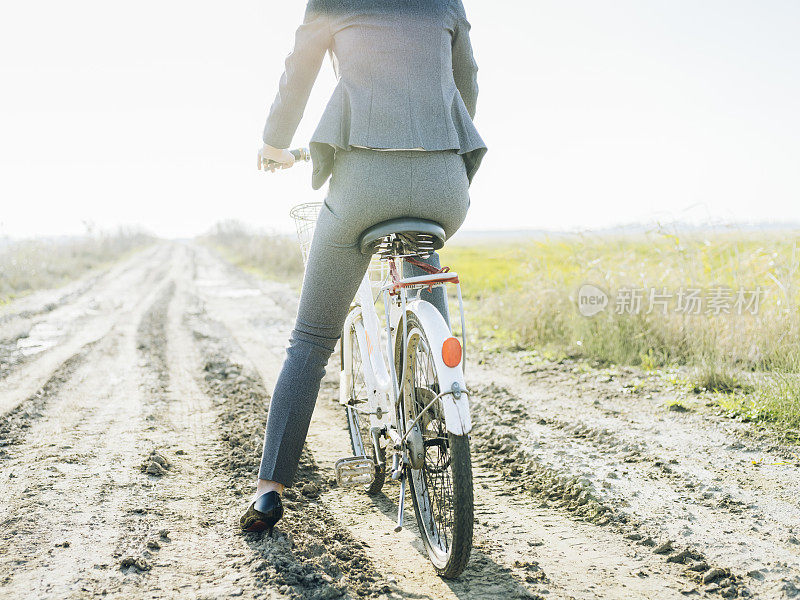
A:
16, 325
499, 449
59, 334
190, 362
183, 545
694, 477
17, 421
311, 556
188, 545
69, 496
41, 302
49, 305
141, 534
166, 532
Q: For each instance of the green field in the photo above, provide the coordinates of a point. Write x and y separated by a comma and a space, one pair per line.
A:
529, 290
521, 294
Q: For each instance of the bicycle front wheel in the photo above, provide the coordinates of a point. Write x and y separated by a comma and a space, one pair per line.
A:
441, 488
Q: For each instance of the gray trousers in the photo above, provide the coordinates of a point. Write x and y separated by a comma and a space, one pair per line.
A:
367, 187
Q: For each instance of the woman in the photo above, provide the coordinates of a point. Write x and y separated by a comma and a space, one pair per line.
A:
397, 140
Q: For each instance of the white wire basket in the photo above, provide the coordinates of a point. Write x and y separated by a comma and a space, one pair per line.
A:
305, 220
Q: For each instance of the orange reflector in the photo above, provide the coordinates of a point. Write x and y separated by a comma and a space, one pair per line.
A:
451, 352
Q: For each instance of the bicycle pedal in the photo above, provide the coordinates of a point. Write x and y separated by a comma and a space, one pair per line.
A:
354, 470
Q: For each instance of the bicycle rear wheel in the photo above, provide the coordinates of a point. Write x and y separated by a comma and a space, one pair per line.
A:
441, 489
358, 422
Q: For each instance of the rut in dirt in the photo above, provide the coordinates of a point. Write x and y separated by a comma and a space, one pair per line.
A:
68, 450
687, 484
310, 555
145, 419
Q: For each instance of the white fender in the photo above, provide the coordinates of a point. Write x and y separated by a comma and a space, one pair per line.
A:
456, 411
371, 330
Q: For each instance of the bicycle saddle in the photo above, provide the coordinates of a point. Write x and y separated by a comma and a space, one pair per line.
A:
406, 236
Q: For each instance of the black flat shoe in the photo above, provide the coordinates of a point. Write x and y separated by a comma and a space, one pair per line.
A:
263, 513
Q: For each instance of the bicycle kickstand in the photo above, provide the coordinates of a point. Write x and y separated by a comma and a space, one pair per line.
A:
401, 504
399, 472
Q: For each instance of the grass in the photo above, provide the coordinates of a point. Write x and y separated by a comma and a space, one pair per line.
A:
530, 300
29, 265
718, 377
523, 295
778, 400
773, 400
274, 256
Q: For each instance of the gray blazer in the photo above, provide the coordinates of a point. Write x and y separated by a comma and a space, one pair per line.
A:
407, 79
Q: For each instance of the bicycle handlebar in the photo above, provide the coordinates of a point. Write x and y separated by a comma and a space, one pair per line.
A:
300, 155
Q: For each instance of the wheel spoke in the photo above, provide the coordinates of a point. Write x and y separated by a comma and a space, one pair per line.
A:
433, 487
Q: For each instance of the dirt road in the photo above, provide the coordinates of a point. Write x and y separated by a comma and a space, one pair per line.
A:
133, 404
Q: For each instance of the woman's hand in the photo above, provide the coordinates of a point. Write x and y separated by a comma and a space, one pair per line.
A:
268, 154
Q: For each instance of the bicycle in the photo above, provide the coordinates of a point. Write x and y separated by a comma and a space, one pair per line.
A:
402, 386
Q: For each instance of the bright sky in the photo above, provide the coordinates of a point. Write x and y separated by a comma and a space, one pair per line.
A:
596, 112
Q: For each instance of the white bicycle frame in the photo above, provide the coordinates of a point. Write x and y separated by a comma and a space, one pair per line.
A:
381, 381
383, 389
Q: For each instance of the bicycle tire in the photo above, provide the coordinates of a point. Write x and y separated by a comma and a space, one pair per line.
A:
355, 420
449, 553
